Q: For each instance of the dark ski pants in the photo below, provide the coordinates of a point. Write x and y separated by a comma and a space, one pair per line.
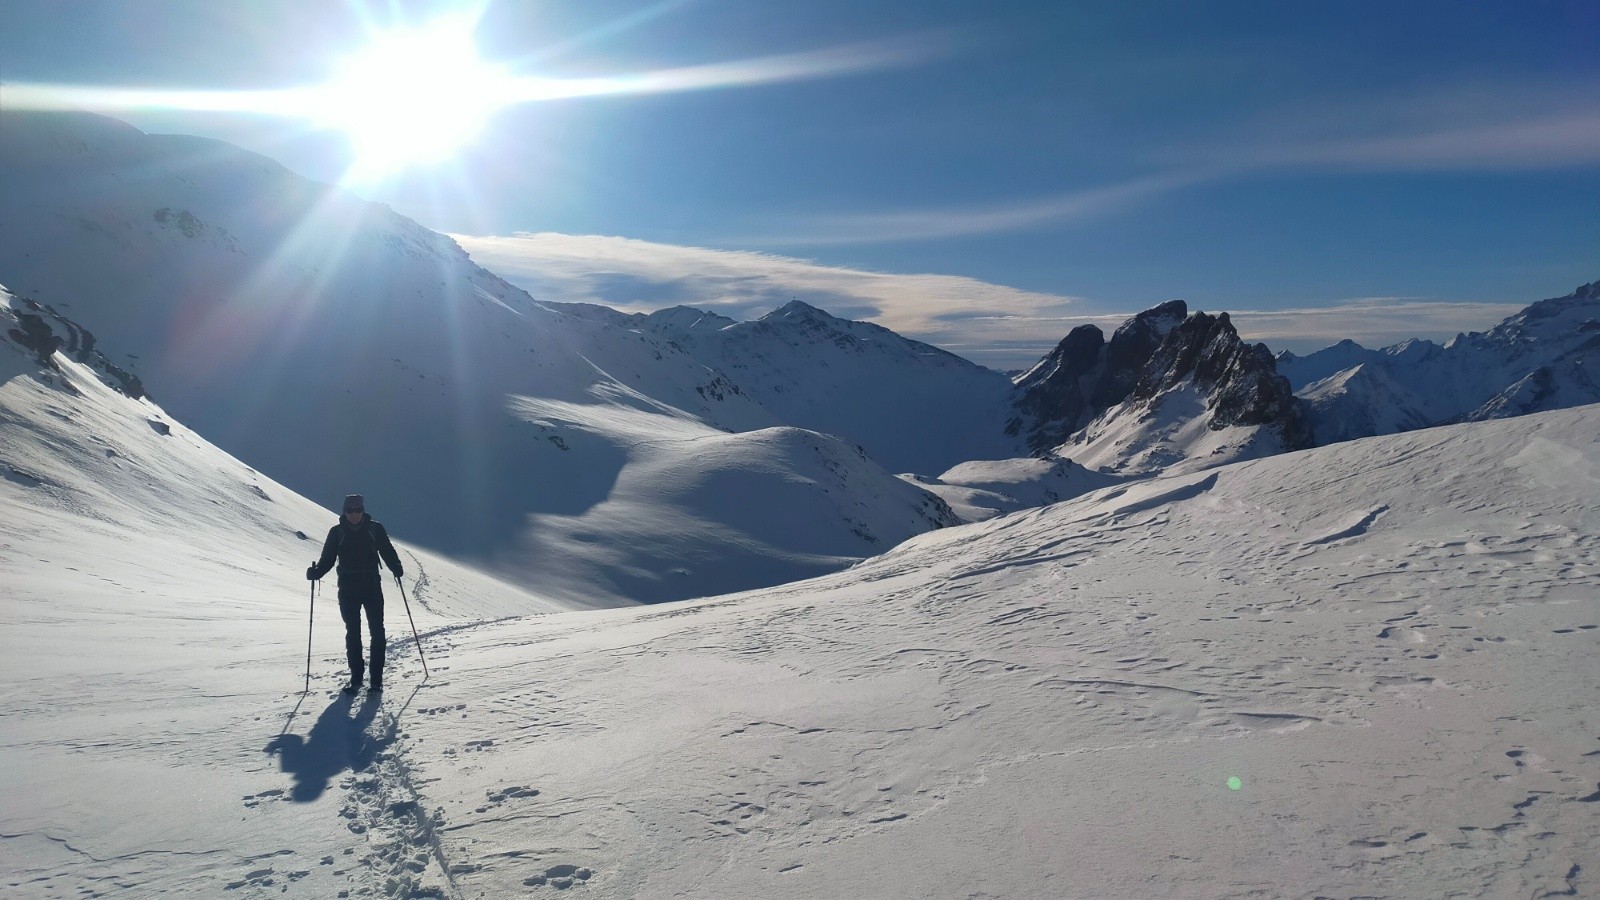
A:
358, 591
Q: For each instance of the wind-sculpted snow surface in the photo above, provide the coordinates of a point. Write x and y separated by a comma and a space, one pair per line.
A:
1362, 669
1354, 670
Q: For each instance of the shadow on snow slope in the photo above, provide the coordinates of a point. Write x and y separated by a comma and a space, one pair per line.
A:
337, 741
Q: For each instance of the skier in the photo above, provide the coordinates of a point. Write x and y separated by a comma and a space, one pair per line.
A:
358, 541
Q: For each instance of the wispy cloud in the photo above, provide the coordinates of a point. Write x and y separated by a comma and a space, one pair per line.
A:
989, 218
995, 325
1463, 127
1370, 321
1503, 127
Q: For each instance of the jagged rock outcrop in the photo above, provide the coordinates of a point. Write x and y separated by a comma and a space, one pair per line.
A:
1055, 393
1160, 393
1085, 375
43, 332
1240, 379
1086, 380
1131, 347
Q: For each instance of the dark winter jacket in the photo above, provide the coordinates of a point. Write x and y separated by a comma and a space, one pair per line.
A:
357, 549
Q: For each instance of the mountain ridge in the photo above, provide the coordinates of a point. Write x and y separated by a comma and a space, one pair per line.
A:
1545, 357
341, 346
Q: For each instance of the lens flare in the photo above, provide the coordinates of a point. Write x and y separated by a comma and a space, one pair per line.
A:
412, 96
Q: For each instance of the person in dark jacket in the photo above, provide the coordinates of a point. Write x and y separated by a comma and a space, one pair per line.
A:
358, 543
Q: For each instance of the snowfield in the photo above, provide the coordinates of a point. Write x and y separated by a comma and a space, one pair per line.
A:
1367, 668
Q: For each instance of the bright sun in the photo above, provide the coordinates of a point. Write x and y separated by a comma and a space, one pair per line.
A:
412, 97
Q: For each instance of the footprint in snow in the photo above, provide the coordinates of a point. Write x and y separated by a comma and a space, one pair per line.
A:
561, 877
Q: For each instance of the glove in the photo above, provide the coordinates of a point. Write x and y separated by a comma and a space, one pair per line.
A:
399, 574
311, 573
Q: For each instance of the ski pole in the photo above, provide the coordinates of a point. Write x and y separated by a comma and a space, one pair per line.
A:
309, 617
413, 628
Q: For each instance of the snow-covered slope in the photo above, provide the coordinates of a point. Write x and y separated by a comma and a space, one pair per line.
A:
91, 470
1545, 357
911, 406
1361, 669
341, 347
695, 511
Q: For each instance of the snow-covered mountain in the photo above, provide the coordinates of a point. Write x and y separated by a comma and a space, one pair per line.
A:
1374, 660
1545, 357
342, 347
1169, 391
911, 406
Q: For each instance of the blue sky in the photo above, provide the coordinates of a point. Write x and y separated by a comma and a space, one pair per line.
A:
1370, 169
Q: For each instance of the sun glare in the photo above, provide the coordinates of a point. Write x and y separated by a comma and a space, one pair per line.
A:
412, 97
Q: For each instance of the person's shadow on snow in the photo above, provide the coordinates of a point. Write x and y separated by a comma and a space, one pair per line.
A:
338, 741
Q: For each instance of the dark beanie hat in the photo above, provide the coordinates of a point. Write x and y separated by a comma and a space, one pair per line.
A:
354, 503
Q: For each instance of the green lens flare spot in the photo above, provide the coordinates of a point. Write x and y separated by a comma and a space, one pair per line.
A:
1234, 783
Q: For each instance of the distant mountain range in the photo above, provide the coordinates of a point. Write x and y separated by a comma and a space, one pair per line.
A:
1545, 357
602, 457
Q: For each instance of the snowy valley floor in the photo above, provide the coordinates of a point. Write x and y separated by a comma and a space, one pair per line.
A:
1368, 669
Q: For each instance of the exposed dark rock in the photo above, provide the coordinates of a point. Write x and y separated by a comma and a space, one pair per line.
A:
37, 330
1085, 375
1131, 347
35, 335
1055, 393
1241, 380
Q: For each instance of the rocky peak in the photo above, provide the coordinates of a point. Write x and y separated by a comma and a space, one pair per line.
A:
1241, 380
799, 311
1131, 345
1156, 351
1070, 359
1085, 375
